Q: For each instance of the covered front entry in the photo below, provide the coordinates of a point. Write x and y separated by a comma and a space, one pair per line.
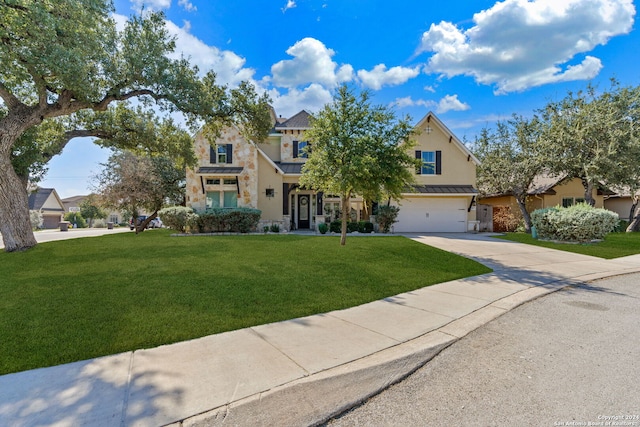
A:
304, 211
432, 215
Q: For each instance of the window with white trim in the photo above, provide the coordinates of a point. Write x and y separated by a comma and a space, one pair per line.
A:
222, 193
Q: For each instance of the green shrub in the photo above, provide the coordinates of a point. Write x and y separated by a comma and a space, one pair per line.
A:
178, 218
577, 223
275, 228
336, 226
76, 219
621, 226
323, 228
36, 219
365, 227
387, 216
235, 220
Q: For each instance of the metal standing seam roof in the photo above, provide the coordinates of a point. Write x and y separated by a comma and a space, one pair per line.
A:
220, 170
290, 168
442, 189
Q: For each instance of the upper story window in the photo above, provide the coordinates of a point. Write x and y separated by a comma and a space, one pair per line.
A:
301, 149
222, 153
431, 162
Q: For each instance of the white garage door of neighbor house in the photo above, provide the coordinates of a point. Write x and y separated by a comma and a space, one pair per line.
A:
432, 215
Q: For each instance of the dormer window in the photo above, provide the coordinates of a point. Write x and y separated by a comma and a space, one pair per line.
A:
222, 153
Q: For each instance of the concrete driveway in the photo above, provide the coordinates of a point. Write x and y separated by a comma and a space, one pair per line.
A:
75, 233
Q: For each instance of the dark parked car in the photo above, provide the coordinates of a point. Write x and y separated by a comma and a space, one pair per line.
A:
139, 221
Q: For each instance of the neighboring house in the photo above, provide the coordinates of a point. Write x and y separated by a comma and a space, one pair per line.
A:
545, 192
72, 204
237, 173
48, 203
620, 203
443, 200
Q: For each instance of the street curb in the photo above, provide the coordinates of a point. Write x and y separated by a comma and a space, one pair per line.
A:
315, 399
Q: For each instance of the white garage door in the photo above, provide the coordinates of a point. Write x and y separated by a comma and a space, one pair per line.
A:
432, 215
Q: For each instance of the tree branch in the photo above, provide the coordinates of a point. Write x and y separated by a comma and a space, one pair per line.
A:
9, 98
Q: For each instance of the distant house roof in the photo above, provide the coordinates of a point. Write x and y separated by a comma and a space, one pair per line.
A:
442, 189
38, 198
299, 121
545, 183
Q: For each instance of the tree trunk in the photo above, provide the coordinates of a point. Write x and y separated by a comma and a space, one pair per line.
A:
522, 204
588, 192
346, 211
634, 220
632, 211
15, 225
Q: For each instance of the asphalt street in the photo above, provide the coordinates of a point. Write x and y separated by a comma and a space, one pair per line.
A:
570, 358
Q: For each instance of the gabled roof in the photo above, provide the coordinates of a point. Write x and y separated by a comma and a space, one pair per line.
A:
38, 198
299, 121
431, 118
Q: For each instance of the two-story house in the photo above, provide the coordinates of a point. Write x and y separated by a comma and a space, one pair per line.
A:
235, 172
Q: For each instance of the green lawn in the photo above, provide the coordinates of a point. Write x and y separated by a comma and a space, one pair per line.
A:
77, 299
615, 245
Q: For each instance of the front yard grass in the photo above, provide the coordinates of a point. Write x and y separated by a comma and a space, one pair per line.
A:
615, 245
77, 299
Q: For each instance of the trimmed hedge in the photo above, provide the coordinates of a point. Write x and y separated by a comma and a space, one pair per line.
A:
352, 226
577, 223
235, 220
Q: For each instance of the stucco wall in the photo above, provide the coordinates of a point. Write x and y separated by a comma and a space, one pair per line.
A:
457, 168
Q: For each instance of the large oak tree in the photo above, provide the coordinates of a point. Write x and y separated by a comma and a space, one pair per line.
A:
595, 137
67, 72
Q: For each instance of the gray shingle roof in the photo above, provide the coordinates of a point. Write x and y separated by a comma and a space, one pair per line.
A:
299, 121
443, 189
38, 198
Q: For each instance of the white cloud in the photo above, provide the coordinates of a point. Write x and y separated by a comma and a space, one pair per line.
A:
151, 4
380, 76
407, 101
290, 5
228, 66
519, 44
187, 5
448, 103
311, 63
312, 98
451, 103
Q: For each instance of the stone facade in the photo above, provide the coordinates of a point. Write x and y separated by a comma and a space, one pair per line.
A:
243, 168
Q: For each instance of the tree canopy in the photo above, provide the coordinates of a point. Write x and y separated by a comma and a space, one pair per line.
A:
595, 137
357, 148
130, 183
68, 71
510, 160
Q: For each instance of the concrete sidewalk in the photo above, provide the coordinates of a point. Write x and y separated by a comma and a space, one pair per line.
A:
301, 371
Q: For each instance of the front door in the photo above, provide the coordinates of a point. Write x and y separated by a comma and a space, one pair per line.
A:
303, 211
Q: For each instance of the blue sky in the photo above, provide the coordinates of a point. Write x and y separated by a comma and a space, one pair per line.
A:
470, 62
